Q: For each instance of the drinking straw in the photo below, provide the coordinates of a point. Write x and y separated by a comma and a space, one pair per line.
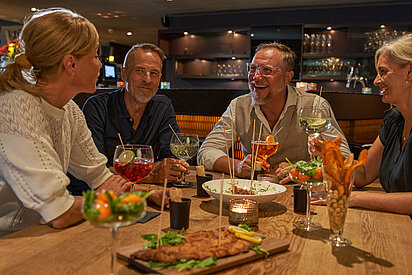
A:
186, 151
228, 159
257, 150
277, 132
253, 147
175, 134
221, 204
121, 141
161, 212
233, 152
320, 95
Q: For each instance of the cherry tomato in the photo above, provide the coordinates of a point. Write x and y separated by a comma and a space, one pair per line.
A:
294, 173
302, 177
318, 174
103, 196
103, 208
132, 198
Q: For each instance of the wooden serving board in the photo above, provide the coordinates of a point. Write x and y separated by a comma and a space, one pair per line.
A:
272, 245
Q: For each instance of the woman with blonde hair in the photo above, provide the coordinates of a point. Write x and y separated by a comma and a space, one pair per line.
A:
43, 134
390, 156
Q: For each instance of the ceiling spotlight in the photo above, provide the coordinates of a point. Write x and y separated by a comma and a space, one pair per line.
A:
329, 28
229, 31
383, 26
129, 33
185, 33
252, 34
233, 57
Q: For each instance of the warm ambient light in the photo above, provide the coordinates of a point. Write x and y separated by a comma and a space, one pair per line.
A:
185, 33
233, 57
129, 33
229, 31
329, 28
111, 58
252, 34
34, 9
383, 26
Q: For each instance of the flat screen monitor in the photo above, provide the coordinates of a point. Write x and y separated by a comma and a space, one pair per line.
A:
109, 71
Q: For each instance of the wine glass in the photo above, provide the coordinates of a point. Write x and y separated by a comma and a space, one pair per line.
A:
133, 162
308, 176
314, 120
106, 210
184, 147
267, 147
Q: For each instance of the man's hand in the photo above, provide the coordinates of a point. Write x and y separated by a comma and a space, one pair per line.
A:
156, 197
315, 146
242, 168
282, 171
169, 168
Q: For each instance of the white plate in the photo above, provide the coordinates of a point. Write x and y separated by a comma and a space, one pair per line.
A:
265, 191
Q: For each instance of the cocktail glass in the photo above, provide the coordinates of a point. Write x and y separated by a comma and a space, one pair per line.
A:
314, 120
308, 182
337, 198
184, 147
122, 210
133, 162
266, 147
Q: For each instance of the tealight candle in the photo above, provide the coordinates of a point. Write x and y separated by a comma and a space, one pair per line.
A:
243, 211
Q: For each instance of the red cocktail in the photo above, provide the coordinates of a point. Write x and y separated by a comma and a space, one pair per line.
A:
134, 171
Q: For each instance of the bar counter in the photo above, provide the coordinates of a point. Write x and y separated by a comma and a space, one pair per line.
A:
381, 242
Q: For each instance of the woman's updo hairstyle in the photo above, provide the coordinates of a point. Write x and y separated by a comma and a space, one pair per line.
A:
47, 36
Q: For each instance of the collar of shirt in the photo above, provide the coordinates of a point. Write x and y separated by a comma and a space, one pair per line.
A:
291, 101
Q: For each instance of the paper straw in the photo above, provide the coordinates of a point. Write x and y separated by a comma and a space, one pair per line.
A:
121, 141
253, 147
221, 205
227, 153
161, 212
233, 152
257, 150
175, 134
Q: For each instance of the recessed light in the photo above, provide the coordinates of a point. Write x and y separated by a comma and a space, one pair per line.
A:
329, 28
383, 26
229, 31
252, 34
185, 33
233, 57
129, 33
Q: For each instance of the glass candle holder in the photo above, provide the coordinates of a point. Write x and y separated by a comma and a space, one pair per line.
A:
244, 211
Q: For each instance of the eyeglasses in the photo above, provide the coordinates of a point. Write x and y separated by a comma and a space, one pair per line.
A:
265, 70
143, 72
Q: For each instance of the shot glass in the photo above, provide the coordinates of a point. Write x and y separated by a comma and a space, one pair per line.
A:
299, 199
199, 181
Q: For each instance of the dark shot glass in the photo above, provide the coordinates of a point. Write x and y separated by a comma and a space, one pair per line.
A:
299, 199
199, 181
179, 213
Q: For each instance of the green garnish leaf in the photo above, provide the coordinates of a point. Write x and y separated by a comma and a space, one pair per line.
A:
244, 226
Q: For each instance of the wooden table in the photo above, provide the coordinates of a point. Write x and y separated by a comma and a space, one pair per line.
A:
381, 243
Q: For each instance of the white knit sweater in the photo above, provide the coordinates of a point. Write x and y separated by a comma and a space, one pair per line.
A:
39, 143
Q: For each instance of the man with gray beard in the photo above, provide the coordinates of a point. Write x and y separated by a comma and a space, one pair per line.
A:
272, 103
138, 114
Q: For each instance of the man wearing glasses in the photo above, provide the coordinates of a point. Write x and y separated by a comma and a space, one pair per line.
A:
137, 114
272, 103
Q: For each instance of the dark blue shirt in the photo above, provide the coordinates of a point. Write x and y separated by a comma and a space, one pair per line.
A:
106, 116
395, 172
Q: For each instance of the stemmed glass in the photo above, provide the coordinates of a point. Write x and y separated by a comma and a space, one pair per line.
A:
310, 177
106, 210
314, 120
267, 147
133, 162
184, 147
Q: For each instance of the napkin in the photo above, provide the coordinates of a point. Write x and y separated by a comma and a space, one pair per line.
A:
149, 215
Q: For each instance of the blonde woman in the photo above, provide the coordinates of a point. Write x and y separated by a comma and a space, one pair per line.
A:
43, 133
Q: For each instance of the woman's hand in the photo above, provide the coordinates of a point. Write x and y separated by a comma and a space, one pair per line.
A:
315, 146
